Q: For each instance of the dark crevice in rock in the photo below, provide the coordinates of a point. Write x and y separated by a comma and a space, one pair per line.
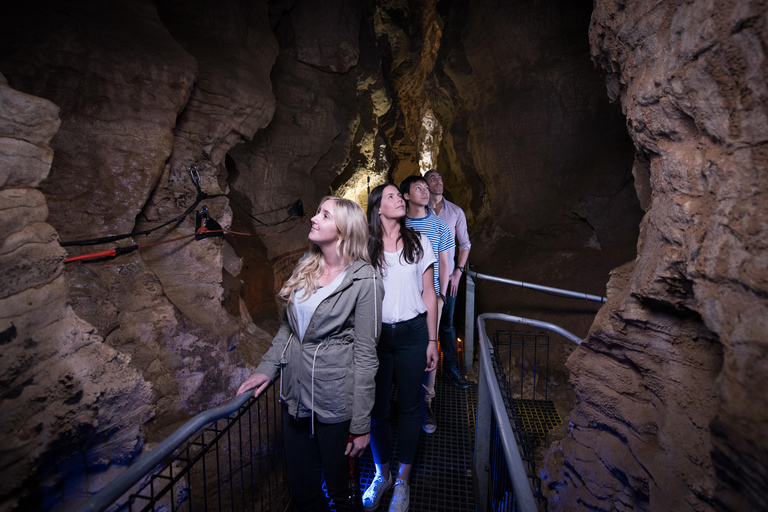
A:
8, 335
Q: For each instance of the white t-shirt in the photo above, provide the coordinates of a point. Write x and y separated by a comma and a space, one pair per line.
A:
403, 284
306, 308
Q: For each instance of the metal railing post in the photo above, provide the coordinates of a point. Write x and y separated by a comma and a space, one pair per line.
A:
481, 464
490, 404
469, 324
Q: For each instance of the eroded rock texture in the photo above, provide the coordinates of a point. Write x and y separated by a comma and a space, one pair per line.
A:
671, 412
539, 159
324, 123
136, 109
146, 90
64, 390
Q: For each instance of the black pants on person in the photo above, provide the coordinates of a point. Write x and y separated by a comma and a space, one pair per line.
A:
310, 460
402, 352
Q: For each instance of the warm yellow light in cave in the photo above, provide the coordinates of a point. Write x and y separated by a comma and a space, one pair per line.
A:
366, 177
430, 136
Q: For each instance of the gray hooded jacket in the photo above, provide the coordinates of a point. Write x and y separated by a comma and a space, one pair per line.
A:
330, 373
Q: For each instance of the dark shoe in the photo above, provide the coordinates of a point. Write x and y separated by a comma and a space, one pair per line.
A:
428, 422
456, 378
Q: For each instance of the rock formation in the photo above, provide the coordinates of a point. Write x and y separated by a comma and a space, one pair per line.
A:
64, 390
136, 110
670, 412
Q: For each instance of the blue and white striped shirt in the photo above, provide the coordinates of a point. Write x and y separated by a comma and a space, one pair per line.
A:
438, 233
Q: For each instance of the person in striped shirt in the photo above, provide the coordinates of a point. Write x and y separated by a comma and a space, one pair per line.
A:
418, 217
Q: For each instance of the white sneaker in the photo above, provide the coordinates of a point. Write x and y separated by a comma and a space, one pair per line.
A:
401, 498
372, 495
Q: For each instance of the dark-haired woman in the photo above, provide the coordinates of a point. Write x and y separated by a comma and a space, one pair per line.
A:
408, 343
325, 353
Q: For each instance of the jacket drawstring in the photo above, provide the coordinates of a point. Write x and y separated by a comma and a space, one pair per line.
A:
282, 357
375, 309
312, 403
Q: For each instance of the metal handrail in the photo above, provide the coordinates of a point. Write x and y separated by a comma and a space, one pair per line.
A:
543, 325
469, 313
541, 288
109, 494
489, 396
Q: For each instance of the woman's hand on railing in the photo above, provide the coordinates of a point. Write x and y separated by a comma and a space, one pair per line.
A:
356, 445
258, 381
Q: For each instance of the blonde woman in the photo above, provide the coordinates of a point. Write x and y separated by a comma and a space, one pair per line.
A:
325, 352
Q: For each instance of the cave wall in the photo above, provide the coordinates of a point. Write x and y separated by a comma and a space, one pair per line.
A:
552, 166
671, 413
136, 109
142, 90
538, 157
533, 149
62, 388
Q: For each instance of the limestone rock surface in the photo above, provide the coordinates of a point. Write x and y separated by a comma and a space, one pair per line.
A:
669, 415
64, 390
135, 108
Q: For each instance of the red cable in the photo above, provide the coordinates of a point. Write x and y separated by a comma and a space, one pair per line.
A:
202, 230
111, 252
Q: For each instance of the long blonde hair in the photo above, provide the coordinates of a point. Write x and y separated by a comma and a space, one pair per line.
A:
352, 245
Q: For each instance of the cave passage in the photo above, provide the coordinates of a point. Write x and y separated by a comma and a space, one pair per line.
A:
615, 148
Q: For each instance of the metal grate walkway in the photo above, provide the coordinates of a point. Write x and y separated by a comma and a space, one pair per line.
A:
441, 478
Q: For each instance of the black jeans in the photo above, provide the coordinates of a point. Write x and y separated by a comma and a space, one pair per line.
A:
311, 460
402, 352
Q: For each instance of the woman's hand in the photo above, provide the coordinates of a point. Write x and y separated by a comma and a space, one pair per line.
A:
432, 356
356, 446
258, 381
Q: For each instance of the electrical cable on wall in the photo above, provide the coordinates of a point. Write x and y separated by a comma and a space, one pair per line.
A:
205, 227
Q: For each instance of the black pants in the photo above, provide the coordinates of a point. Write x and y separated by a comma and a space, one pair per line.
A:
402, 352
311, 460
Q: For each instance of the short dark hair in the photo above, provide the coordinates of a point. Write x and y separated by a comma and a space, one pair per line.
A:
431, 171
405, 186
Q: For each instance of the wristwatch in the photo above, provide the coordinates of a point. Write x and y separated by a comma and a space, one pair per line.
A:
461, 268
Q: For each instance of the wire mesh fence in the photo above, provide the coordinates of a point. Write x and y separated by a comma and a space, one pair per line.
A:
234, 463
521, 364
